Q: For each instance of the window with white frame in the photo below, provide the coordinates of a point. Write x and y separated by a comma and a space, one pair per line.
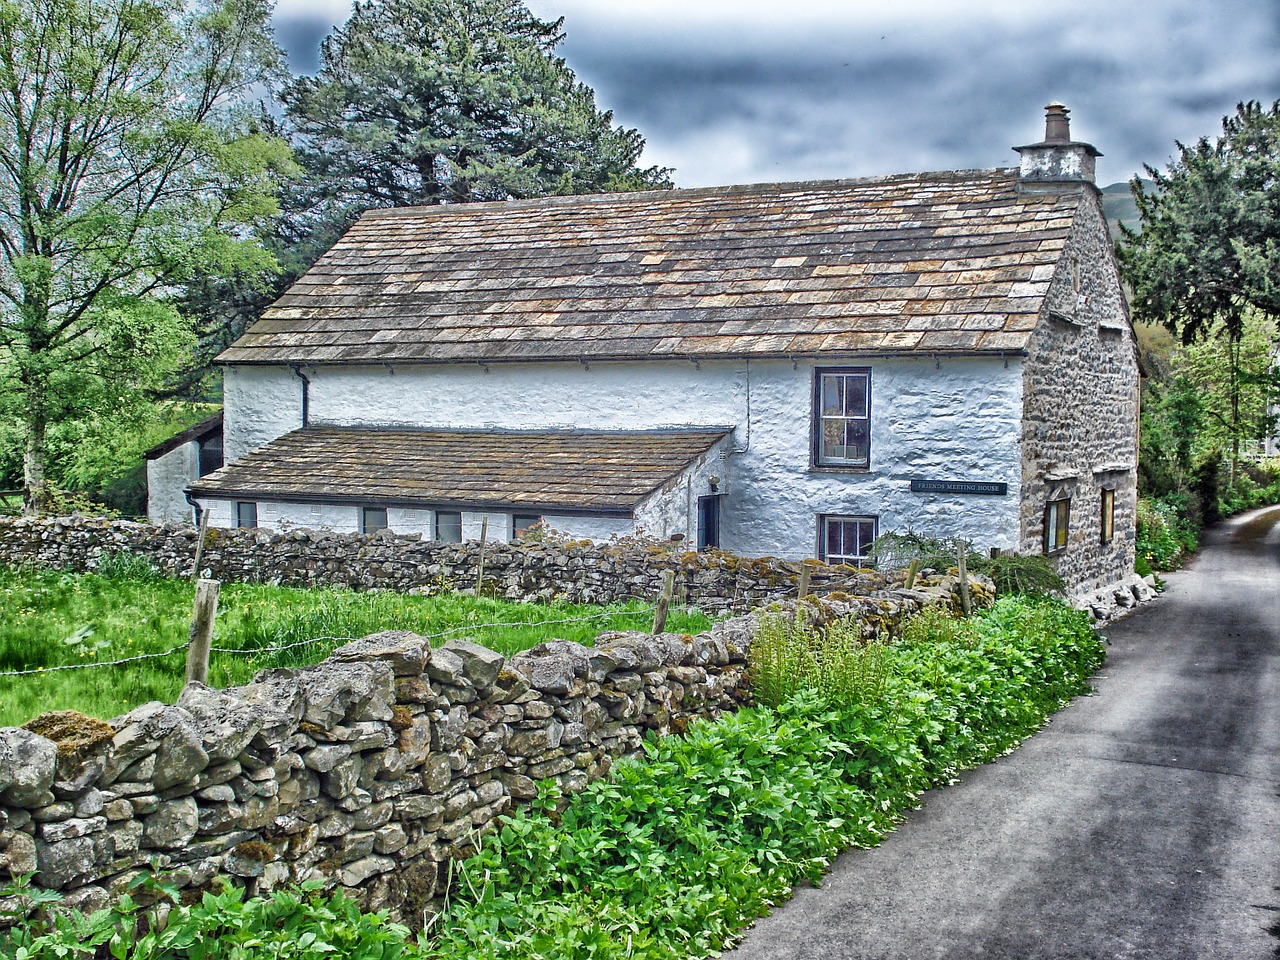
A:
847, 540
1057, 520
842, 417
449, 526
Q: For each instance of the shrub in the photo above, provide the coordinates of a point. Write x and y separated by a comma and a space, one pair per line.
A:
788, 656
1164, 532
1031, 575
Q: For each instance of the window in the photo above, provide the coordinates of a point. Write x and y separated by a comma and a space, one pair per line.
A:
1057, 514
246, 515
210, 451
842, 417
373, 519
521, 523
1108, 515
708, 522
847, 540
449, 526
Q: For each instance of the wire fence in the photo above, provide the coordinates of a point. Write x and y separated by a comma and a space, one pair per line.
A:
314, 641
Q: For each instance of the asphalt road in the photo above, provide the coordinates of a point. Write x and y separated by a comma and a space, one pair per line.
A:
1143, 822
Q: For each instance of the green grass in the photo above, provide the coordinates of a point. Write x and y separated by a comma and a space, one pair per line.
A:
50, 619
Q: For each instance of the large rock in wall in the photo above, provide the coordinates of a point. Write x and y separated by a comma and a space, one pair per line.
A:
368, 771
581, 571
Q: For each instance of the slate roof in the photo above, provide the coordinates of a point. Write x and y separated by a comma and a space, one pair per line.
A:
935, 263
606, 473
200, 431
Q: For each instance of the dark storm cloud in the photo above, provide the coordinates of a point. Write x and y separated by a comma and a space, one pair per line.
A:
733, 92
300, 35
762, 102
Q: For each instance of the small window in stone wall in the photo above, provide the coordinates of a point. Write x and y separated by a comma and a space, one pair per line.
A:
373, 519
246, 515
1108, 515
449, 526
1057, 516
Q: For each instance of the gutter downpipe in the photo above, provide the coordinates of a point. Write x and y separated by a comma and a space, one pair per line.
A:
306, 394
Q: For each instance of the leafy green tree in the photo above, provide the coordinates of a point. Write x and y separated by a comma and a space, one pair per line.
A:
1235, 386
125, 168
1209, 247
433, 101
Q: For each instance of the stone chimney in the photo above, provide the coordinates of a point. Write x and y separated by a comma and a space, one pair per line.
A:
1057, 158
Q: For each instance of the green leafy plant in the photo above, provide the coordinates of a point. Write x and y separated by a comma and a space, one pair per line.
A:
300, 923
127, 565
789, 655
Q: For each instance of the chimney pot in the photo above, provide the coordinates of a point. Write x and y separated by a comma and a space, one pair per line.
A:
1057, 125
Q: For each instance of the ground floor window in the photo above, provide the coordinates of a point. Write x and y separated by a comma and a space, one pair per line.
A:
1057, 515
847, 539
522, 523
373, 519
246, 515
1108, 515
449, 526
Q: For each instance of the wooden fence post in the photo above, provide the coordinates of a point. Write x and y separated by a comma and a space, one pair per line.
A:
204, 526
913, 570
965, 603
484, 540
664, 602
802, 589
203, 614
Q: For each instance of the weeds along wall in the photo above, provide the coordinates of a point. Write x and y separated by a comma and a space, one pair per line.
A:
579, 571
369, 771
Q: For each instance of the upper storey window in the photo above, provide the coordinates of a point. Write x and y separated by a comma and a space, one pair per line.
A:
842, 417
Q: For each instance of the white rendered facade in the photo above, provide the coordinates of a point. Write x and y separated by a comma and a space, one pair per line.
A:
949, 418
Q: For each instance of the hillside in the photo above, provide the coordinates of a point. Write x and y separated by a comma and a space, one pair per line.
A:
1117, 203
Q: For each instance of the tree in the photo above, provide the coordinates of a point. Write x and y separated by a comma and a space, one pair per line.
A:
433, 101
125, 168
1209, 246
1235, 385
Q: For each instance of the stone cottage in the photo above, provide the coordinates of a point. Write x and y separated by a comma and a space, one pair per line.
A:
787, 369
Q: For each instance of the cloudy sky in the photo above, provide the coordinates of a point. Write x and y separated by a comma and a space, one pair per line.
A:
739, 91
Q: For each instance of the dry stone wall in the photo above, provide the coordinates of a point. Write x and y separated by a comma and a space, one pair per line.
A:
368, 771
577, 571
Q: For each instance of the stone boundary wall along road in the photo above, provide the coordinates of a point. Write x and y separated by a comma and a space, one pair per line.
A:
368, 771
577, 571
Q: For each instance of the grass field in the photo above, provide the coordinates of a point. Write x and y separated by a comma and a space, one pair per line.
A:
50, 619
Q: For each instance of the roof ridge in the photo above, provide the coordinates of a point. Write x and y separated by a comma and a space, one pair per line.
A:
780, 186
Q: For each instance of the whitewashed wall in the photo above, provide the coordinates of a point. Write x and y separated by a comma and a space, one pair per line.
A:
949, 419
167, 477
345, 518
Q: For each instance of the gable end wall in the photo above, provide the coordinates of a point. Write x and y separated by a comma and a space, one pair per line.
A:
1080, 409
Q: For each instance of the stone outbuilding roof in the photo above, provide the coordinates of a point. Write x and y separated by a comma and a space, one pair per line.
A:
955, 262
607, 473
197, 432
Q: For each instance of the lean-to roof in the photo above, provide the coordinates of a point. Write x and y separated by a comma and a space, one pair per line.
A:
579, 471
